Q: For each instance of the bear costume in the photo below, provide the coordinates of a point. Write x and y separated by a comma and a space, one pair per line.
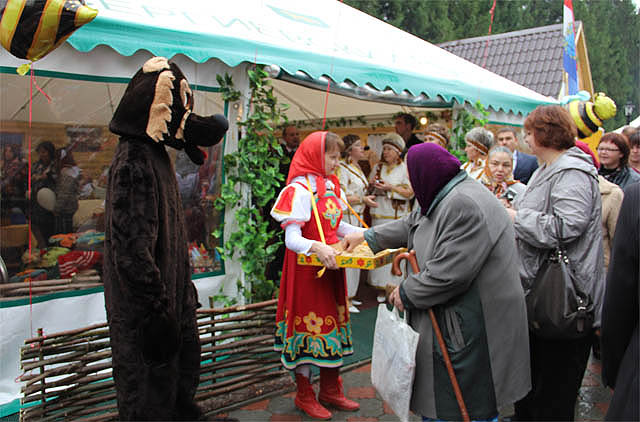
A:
149, 296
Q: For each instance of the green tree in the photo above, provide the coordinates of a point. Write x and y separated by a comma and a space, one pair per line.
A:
612, 32
416, 17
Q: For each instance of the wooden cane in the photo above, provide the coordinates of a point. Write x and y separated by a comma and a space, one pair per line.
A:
395, 270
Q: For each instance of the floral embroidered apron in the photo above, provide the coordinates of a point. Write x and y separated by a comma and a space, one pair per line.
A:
312, 320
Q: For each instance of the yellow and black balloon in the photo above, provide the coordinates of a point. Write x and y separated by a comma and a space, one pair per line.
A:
30, 29
588, 115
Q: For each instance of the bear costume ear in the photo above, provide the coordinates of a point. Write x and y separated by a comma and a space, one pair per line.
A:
205, 130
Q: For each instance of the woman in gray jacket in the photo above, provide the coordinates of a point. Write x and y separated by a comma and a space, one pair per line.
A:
561, 206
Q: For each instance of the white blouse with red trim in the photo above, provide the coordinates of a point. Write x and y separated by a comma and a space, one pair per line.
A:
293, 210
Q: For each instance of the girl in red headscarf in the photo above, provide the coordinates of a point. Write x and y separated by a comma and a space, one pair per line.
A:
312, 321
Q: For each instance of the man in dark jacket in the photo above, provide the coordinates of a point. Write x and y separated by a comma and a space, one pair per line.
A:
620, 341
290, 142
523, 164
149, 297
405, 124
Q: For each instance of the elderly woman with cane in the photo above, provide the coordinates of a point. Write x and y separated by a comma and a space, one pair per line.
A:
468, 278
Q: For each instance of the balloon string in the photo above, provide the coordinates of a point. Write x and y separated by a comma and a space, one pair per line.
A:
32, 82
255, 65
29, 153
326, 97
486, 46
40, 89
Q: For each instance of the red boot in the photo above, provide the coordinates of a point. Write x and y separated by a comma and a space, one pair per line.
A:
306, 400
331, 391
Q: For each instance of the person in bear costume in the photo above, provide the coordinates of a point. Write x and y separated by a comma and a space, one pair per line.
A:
149, 297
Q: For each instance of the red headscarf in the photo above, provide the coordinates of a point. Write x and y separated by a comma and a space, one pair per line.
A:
309, 159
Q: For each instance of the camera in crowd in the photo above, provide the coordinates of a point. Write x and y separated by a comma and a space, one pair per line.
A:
509, 195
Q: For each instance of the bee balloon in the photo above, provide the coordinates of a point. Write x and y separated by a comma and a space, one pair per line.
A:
31, 29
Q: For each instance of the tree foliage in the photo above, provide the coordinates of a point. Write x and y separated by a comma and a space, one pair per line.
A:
612, 32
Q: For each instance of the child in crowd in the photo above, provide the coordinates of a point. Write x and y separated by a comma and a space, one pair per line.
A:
312, 321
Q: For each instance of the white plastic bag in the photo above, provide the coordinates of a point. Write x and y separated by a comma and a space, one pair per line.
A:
393, 361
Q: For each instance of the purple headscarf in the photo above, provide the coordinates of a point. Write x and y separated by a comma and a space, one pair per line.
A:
430, 167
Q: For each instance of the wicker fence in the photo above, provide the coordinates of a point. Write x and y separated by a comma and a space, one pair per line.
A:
67, 375
26, 289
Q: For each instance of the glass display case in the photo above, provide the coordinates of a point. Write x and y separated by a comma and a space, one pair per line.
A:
56, 151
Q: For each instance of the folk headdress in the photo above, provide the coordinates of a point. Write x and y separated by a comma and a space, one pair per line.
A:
437, 133
348, 141
394, 140
157, 106
309, 159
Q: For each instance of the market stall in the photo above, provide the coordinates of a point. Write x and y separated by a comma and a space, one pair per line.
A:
367, 67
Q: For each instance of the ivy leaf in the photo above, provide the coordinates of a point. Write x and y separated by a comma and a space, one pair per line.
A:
256, 164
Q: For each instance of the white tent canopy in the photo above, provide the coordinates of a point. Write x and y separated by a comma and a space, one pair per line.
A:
361, 56
634, 123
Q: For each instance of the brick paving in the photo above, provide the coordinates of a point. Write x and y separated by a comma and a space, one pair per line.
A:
593, 398
593, 401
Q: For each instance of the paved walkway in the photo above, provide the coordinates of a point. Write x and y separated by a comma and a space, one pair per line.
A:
592, 404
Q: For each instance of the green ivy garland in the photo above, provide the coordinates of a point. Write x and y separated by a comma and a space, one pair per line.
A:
255, 164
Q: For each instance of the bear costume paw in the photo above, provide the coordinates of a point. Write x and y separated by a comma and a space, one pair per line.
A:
159, 338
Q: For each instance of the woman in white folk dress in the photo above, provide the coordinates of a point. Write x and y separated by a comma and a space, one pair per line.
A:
355, 184
393, 194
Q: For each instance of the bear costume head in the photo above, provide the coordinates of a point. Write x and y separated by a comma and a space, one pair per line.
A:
157, 105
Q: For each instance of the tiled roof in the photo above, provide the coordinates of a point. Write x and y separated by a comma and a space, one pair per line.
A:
531, 57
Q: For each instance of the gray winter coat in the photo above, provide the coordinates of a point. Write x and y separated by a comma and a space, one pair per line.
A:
465, 247
573, 217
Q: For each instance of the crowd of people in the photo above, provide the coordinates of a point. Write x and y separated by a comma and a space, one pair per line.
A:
57, 184
481, 231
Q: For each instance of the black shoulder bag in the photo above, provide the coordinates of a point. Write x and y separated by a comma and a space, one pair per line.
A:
557, 307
